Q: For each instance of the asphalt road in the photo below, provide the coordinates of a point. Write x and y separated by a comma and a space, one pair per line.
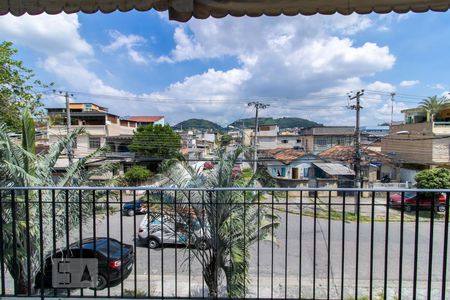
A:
275, 268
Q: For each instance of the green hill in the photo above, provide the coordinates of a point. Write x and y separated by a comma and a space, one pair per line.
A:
285, 122
198, 124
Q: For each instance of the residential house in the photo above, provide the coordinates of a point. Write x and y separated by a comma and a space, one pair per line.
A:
371, 134
374, 165
290, 140
197, 145
288, 163
294, 168
418, 144
318, 139
146, 120
102, 129
270, 137
267, 136
98, 123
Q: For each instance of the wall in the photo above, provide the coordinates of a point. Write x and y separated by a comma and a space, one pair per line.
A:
276, 167
422, 143
408, 175
266, 143
116, 129
331, 183
160, 122
291, 141
406, 150
322, 143
441, 150
290, 183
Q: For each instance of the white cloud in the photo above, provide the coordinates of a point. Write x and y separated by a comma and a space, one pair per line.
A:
129, 43
313, 59
437, 86
64, 52
46, 34
384, 22
409, 83
383, 114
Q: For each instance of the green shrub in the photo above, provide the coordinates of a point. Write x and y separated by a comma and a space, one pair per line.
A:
137, 174
438, 178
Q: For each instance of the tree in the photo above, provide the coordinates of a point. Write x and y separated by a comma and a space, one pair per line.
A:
438, 178
225, 139
17, 89
156, 141
137, 174
433, 105
20, 166
232, 219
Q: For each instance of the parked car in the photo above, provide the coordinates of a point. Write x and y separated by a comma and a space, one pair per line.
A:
208, 165
131, 208
165, 231
112, 269
412, 199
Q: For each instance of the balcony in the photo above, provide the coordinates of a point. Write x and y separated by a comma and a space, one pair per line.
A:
309, 246
441, 128
97, 130
422, 128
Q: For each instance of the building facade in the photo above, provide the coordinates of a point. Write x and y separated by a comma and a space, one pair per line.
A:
318, 139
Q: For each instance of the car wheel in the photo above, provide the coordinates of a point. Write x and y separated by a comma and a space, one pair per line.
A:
441, 208
153, 243
202, 244
101, 282
130, 212
408, 208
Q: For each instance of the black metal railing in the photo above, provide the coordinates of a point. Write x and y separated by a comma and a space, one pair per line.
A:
225, 242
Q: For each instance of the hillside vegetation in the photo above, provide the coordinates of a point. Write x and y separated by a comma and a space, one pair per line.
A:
285, 122
198, 124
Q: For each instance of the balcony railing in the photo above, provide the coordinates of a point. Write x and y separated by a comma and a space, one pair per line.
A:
225, 243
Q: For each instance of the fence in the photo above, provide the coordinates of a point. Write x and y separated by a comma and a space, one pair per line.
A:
225, 243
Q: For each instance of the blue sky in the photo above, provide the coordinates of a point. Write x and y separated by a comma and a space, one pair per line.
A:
140, 63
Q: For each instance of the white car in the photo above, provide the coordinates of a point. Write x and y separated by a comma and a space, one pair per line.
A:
162, 232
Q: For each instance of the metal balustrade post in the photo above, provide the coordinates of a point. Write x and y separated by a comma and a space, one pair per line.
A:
28, 209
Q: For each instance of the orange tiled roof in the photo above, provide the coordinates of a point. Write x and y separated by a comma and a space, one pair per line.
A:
285, 155
346, 153
145, 118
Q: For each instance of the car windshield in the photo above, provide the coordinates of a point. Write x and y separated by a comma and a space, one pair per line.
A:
410, 194
101, 246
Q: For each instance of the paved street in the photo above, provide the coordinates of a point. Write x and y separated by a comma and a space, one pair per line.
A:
156, 266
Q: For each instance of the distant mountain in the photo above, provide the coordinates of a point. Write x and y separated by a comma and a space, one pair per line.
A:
283, 123
198, 124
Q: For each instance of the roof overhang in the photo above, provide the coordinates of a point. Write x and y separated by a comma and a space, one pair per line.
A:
183, 10
334, 169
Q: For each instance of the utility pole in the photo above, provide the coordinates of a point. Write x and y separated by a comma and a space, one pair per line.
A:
357, 138
392, 107
257, 105
68, 124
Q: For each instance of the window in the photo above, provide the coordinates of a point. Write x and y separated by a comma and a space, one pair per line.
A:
284, 141
299, 141
94, 142
321, 141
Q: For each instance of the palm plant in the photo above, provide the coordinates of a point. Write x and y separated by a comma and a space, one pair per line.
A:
433, 105
30, 218
232, 219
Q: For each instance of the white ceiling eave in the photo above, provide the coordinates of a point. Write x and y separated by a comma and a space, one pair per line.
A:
183, 10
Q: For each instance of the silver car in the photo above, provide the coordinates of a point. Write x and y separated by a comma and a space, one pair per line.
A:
164, 232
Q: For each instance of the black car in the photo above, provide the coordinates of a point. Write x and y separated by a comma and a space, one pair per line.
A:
111, 270
132, 208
